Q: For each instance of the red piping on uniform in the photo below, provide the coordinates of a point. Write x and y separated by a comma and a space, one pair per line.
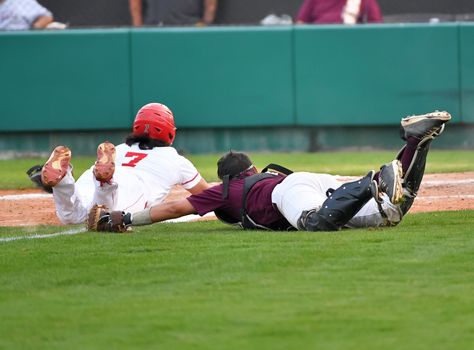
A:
195, 176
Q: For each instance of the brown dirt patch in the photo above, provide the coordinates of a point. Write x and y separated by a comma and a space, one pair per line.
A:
438, 192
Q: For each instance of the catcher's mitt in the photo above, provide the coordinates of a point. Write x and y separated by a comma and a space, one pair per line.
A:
104, 221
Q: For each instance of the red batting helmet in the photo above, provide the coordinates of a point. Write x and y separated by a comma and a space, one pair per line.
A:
156, 120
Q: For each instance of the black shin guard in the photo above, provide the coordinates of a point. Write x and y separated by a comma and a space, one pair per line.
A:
340, 207
414, 175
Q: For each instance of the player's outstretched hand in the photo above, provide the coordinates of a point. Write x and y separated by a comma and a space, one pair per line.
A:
100, 219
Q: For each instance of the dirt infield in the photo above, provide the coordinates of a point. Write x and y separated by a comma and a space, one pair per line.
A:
453, 191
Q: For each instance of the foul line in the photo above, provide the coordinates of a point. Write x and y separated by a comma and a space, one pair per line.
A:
186, 218
434, 183
458, 196
49, 235
15, 197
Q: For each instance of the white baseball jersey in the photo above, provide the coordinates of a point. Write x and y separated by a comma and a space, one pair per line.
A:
141, 179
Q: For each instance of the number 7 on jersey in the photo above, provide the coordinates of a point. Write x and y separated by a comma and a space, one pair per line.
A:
136, 157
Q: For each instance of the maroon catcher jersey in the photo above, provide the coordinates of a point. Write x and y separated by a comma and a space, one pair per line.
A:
259, 201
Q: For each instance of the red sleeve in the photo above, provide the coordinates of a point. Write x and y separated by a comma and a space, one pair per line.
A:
304, 14
208, 200
374, 15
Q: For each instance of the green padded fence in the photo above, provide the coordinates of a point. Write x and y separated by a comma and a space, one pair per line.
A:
219, 77
466, 72
231, 77
65, 80
374, 75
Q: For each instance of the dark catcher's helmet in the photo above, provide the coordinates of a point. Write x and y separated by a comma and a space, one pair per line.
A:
156, 121
232, 164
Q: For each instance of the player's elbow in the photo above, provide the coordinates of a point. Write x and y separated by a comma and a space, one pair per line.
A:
202, 185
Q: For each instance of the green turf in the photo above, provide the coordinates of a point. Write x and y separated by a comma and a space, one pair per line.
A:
208, 286
12, 172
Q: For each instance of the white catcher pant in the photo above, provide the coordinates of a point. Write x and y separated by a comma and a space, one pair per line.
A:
74, 200
305, 191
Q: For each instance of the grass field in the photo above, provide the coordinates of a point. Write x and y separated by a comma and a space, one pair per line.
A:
205, 285
13, 172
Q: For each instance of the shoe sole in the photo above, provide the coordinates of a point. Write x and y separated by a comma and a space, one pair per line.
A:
442, 116
105, 165
397, 182
56, 167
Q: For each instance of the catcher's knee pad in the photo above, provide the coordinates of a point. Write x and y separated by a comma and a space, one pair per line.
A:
414, 174
340, 207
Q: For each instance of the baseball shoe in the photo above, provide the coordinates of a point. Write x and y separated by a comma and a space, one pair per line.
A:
56, 167
105, 165
390, 181
34, 173
425, 125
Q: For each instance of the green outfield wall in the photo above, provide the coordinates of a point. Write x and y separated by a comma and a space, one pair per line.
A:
466, 72
282, 85
373, 75
65, 80
216, 77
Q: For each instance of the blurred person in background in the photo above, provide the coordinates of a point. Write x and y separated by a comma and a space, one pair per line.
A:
172, 12
23, 15
339, 11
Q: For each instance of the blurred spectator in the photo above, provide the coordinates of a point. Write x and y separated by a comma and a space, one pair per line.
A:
23, 15
172, 12
339, 11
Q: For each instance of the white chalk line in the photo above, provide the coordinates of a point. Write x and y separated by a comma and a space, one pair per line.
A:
186, 218
434, 183
47, 235
191, 217
424, 183
459, 196
25, 196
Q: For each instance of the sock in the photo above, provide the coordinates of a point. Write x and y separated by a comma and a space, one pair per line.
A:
406, 157
409, 152
141, 218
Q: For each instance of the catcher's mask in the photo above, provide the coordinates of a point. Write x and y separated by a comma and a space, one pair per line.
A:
157, 121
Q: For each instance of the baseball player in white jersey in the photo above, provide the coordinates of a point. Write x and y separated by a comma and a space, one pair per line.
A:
130, 177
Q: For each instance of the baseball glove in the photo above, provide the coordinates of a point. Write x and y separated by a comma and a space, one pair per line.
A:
100, 219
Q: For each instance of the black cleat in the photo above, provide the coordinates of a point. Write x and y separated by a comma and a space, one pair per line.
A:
34, 173
390, 181
425, 125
